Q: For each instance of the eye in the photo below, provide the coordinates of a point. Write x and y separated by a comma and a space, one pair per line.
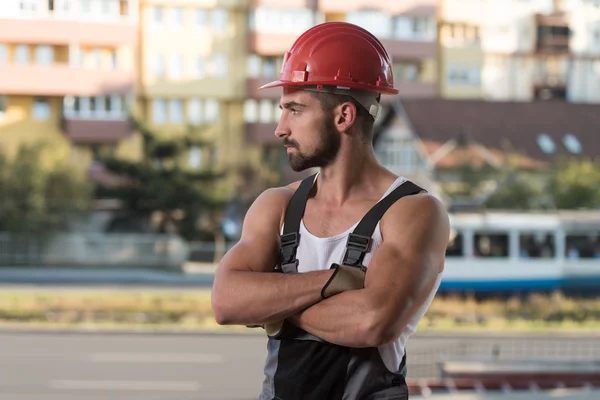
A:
294, 111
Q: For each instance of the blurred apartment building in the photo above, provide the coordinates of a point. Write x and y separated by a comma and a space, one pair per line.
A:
520, 50
192, 57
67, 72
70, 69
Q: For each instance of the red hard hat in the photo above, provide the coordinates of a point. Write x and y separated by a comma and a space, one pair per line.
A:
337, 54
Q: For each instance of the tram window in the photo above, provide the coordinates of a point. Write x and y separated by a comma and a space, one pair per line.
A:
536, 245
455, 245
582, 246
491, 245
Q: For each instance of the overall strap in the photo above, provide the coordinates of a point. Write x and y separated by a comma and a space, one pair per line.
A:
290, 238
359, 240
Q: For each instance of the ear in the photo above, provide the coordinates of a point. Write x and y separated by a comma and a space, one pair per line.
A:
345, 116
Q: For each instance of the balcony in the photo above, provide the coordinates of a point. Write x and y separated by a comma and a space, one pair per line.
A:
96, 131
553, 34
62, 79
57, 31
270, 44
406, 7
312, 4
261, 133
408, 49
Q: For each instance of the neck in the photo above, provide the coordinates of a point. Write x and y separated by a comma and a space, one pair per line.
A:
352, 173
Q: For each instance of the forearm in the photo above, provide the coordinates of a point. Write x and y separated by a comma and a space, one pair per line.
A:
344, 319
256, 298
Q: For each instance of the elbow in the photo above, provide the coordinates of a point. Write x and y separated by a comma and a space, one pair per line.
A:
220, 309
379, 331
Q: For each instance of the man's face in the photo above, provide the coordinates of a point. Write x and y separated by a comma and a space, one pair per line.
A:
307, 131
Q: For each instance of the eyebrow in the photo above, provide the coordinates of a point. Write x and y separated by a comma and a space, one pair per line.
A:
290, 104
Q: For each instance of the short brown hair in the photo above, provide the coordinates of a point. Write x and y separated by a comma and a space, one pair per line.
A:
365, 120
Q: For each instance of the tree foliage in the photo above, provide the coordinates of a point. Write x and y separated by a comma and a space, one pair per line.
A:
38, 197
160, 187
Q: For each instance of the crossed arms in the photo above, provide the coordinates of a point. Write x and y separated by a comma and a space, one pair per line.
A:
399, 279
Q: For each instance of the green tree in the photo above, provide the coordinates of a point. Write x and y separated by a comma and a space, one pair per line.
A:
158, 187
38, 197
576, 184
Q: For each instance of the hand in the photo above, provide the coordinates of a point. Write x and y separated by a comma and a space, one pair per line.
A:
344, 278
273, 328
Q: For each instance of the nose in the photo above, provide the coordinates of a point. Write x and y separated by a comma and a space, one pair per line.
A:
282, 131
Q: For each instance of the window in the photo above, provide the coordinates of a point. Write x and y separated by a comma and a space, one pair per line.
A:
113, 59
464, 75
157, 65
415, 28
178, 16
96, 58
3, 54
220, 65
159, 111
536, 245
200, 67
250, 111
22, 54
176, 66
273, 20
41, 108
211, 110
194, 111
494, 245
106, 6
220, 20
176, 111
376, 22
582, 245
117, 105
253, 65
44, 55
201, 17
195, 160
269, 69
158, 15
86, 6
3, 106
546, 143
572, 143
266, 111
455, 245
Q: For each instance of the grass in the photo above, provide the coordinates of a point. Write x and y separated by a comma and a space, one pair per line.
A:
191, 310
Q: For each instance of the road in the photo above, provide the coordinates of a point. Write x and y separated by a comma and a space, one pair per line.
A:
128, 366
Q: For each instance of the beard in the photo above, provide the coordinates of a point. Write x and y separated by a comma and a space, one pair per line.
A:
322, 156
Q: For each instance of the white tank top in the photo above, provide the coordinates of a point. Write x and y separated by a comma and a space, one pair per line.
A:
317, 253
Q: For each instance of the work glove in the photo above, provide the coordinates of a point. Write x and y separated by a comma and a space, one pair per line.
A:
344, 278
272, 328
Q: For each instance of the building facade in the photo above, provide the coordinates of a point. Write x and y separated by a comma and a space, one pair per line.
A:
67, 72
520, 50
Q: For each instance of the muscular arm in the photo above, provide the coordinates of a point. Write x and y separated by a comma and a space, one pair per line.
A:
245, 289
400, 277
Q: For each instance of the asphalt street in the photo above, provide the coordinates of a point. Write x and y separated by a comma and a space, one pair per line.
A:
132, 366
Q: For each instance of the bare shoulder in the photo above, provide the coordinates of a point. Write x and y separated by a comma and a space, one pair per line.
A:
272, 202
418, 217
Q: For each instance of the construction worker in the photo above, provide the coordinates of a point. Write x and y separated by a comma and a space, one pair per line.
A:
338, 268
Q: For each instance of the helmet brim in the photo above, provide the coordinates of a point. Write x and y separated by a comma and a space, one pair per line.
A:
353, 85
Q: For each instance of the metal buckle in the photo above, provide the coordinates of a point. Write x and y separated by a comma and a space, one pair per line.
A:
290, 268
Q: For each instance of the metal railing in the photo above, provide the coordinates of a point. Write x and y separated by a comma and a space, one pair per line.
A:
93, 249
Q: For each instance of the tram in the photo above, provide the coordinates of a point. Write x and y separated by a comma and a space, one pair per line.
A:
502, 251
